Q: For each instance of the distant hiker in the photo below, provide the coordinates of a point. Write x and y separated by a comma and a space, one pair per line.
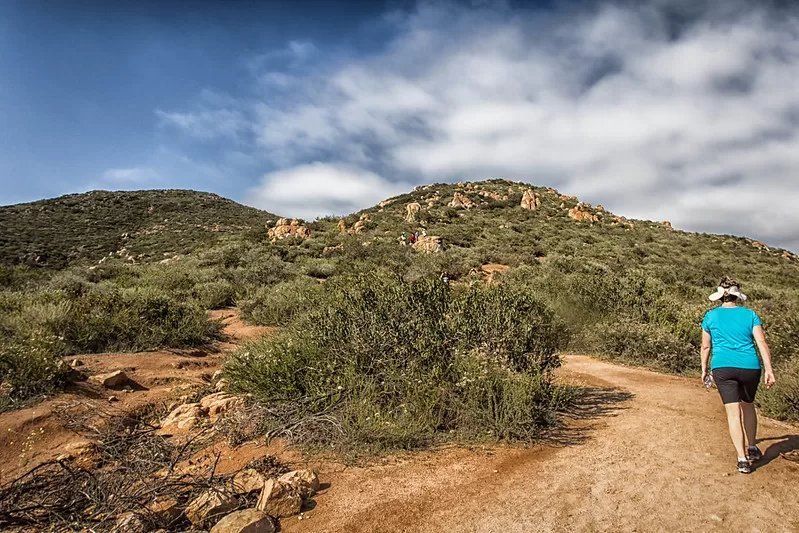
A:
424, 233
445, 277
402, 239
413, 238
730, 332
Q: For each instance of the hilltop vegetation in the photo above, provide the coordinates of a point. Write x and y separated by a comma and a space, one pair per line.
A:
139, 225
630, 290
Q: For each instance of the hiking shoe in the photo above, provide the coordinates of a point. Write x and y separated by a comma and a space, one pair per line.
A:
744, 467
754, 453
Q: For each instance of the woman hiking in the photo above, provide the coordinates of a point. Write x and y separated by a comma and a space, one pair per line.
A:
730, 332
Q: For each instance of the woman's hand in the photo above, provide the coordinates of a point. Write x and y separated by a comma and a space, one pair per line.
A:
705, 375
770, 379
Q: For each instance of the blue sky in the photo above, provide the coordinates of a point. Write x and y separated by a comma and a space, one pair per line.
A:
669, 109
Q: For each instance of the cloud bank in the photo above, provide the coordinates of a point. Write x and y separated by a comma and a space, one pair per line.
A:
654, 111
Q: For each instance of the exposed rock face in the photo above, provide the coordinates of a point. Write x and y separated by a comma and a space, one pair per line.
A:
384, 203
303, 482
411, 210
207, 508
581, 213
342, 227
184, 416
219, 402
622, 222
246, 521
760, 246
493, 195
530, 200
285, 229
428, 244
248, 480
112, 380
278, 500
666, 224
459, 200
165, 511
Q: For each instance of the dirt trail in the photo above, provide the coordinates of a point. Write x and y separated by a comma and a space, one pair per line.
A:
654, 455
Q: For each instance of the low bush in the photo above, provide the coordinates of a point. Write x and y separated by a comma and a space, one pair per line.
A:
641, 344
279, 304
782, 400
394, 364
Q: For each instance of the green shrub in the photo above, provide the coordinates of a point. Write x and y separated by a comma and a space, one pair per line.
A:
280, 304
782, 400
401, 364
642, 344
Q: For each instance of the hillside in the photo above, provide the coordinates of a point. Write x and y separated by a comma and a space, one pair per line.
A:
137, 224
564, 228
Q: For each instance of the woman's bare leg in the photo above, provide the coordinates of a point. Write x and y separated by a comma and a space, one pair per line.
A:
750, 422
736, 427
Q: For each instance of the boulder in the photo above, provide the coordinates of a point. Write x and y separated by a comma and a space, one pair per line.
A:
428, 244
666, 224
581, 213
78, 448
211, 505
285, 229
530, 200
112, 380
278, 500
222, 385
411, 210
247, 481
246, 521
342, 227
303, 482
459, 200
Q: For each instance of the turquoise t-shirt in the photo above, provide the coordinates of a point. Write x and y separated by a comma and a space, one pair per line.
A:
733, 344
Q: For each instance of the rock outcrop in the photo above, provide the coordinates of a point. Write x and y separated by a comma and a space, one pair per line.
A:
530, 200
459, 200
342, 227
411, 210
184, 416
428, 244
284, 229
666, 224
581, 213
359, 226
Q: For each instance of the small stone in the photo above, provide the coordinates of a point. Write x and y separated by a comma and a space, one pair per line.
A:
247, 481
111, 380
246, 521
165, 511
130, 523
75, 363
716, 518
278, 500
207, 508
113, 399
303, 482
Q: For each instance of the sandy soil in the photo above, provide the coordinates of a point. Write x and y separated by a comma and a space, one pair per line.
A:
648, 452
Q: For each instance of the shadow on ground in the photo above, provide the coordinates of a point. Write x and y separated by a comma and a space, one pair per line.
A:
784, 445
589, 405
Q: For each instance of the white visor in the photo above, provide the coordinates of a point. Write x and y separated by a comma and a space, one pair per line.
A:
721, 291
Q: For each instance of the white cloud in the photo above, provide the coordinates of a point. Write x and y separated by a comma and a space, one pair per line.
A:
317, 189
129, 176
616, 103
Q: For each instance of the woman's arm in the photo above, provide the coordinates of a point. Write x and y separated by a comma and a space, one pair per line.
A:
705, 353
765, 353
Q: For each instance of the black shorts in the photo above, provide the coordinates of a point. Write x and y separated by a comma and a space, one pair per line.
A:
736, 384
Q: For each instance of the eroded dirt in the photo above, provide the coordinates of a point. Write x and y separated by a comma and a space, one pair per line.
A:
34, 435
